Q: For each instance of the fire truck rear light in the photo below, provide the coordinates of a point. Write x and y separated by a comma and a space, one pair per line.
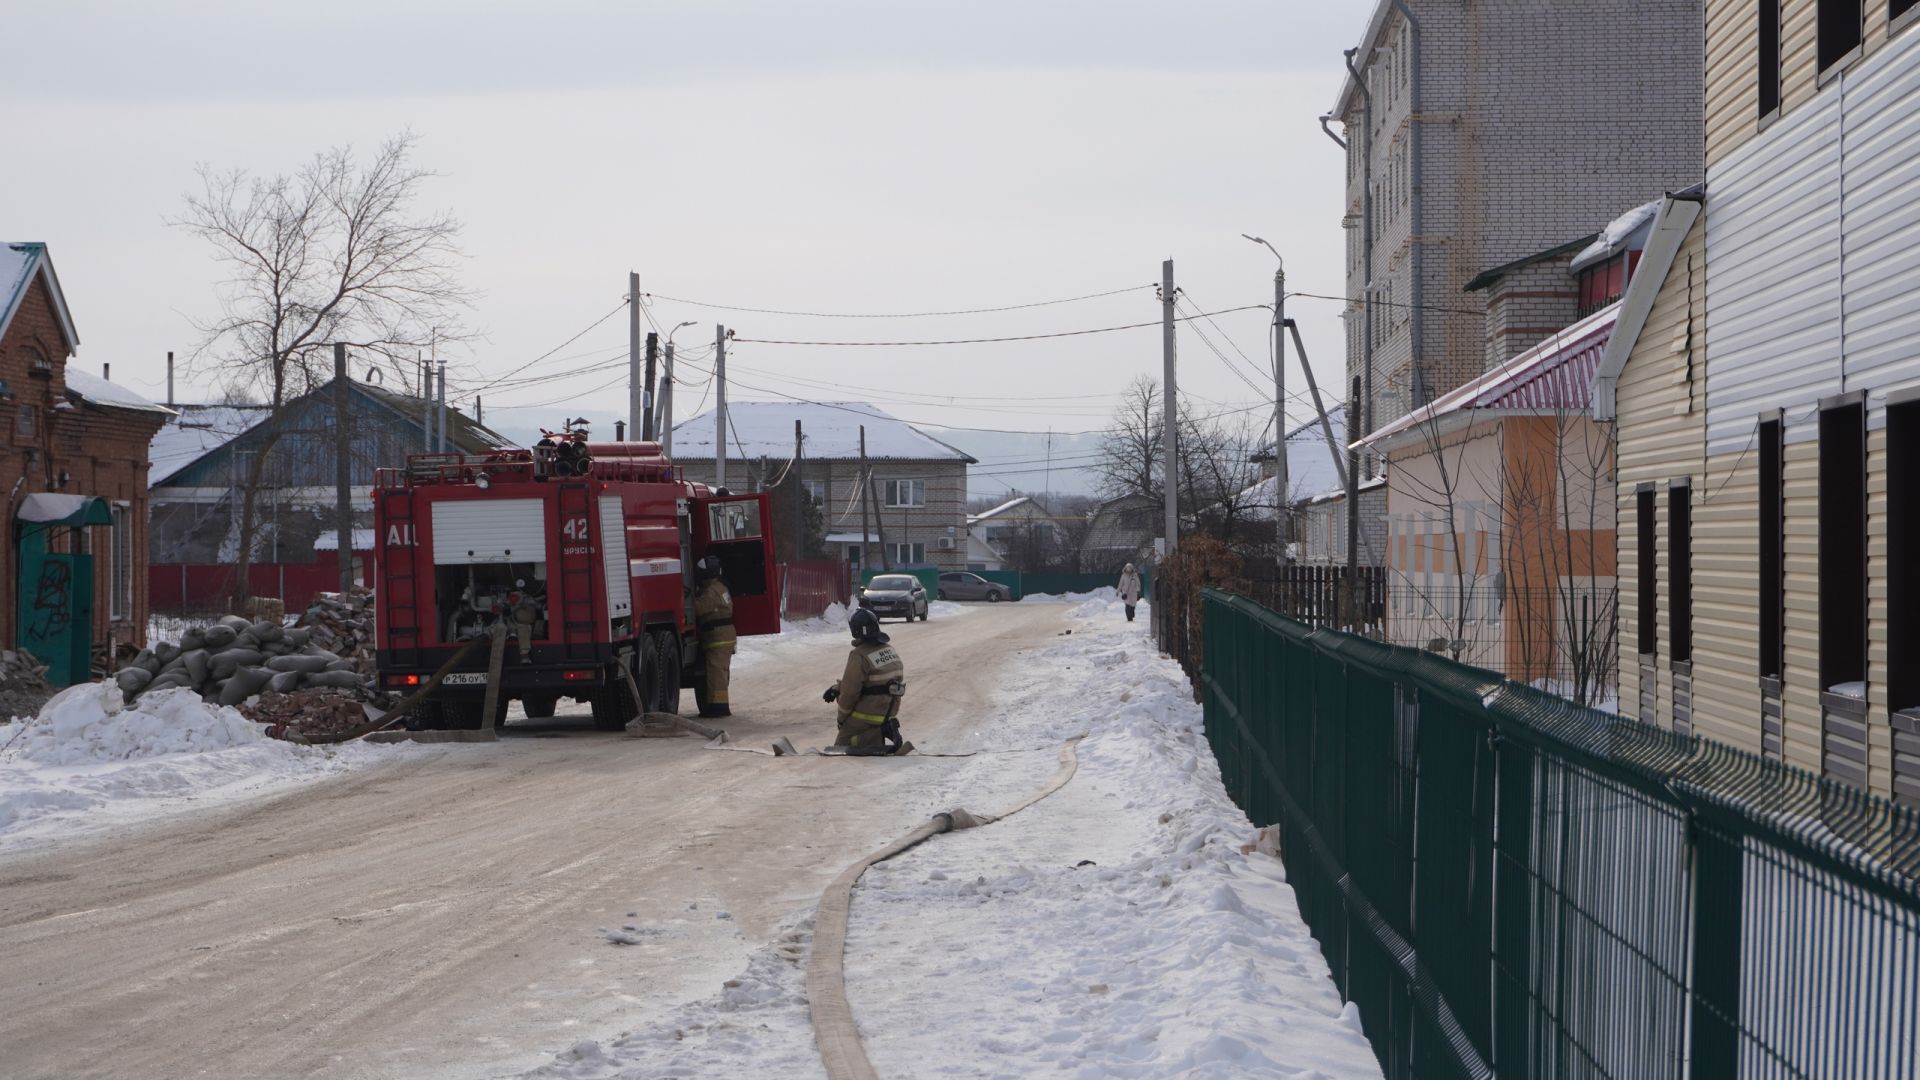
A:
577, 676
403, 680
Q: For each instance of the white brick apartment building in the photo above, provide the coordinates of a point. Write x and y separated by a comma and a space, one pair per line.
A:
1479, 132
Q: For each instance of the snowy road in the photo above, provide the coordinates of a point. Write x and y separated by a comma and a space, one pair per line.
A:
449, 914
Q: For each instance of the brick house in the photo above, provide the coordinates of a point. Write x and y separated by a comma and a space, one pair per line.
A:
1485, 132
919, 504
1765, 391
75, 469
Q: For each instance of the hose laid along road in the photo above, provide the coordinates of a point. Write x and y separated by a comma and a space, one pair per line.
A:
440, 915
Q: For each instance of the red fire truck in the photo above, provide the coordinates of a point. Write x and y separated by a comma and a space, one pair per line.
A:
585, 550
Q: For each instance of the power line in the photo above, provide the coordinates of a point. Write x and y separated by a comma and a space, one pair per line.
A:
1388, 303
995, 340
590, 327
900, 314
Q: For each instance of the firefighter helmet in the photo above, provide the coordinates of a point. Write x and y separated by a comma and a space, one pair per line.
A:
866, 628
708, 567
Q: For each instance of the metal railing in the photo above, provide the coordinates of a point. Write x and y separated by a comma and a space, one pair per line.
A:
1508, 884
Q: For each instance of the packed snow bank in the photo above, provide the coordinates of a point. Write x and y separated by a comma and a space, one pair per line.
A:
90, 761
1115, 929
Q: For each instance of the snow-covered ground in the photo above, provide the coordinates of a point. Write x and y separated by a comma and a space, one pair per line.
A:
89, 763
1115, 929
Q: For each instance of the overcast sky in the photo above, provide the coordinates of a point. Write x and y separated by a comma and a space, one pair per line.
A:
836, 156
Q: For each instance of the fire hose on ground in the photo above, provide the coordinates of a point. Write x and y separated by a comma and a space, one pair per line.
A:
841, 1051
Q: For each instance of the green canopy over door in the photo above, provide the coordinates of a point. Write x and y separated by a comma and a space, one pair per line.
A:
54, 612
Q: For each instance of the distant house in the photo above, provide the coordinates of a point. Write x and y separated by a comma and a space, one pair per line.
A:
1499, 504
918, 507
202, 457
1317, 498
1018, 534
1122, 530
75, 549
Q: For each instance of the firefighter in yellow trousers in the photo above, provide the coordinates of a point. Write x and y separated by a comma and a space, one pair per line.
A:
869, 691
713, 615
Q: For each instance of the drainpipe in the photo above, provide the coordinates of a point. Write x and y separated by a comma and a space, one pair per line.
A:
1419, 203
1337, 140
1360, 414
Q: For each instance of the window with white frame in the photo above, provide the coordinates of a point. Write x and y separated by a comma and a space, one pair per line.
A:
909, 554
120, 585
906, 492
816, 490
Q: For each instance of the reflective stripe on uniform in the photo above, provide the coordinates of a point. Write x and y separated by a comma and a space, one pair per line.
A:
868, 717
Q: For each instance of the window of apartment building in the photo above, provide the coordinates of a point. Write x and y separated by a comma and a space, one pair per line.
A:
1843, 544
909, 554
1769, 58
1772, 543
1643, 522
1680, 572
1840, 25
120, 585
1903, 537
906, 492
816, 490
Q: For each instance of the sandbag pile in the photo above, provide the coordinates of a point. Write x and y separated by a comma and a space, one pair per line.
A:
234, 659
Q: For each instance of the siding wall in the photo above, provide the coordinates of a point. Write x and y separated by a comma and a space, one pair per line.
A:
1660, 428
1733, 65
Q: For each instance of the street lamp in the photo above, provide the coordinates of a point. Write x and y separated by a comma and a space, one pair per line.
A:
1282, 510
663, 406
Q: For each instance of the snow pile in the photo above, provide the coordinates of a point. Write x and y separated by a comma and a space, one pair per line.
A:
90, 761
1115, 929
90, 723
1104, 592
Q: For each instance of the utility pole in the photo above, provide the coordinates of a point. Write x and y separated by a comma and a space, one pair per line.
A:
1283, 502
646, 403
799, 490
1326, 426
342, 465
720, 406
442, 419
634, 401
426, 403
1170, 395
665, 425
1353, 522
866, 545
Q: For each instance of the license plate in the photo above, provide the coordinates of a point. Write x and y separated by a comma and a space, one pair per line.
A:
465, 678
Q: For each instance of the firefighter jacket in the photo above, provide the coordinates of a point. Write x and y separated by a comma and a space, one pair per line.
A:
713, 612
872, 684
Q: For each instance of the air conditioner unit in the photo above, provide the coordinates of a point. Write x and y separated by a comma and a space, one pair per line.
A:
946, 543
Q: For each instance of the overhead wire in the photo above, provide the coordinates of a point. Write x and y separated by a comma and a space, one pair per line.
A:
897, 314
993, 340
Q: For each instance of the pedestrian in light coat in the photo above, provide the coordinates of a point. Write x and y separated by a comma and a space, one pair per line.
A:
1129, 588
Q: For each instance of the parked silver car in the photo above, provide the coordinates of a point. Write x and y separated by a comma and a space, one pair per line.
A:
964, 586
897, 596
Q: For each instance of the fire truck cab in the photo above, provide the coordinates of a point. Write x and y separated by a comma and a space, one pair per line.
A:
587, 558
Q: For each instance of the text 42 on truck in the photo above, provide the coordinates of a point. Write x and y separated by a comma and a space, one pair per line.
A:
587, 558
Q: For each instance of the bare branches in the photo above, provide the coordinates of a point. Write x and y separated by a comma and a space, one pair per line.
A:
333, 252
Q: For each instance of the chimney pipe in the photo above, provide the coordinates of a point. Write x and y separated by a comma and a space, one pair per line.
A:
169, 376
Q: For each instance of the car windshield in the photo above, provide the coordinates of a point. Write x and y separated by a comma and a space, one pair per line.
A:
896, 582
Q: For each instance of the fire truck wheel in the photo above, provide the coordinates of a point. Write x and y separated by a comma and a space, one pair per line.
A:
666, 664
539, 708
613, 705
462, 715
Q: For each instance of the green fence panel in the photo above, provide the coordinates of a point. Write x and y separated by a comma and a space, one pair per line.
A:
1511, 885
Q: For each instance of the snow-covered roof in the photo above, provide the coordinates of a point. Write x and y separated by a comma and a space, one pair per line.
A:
193, 432
330, 540
20, 263
1001, 509
98, 391
1554, 375
1628, 232
831, 429
1310, 466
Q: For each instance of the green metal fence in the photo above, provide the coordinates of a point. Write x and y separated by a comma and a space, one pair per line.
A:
1511, 885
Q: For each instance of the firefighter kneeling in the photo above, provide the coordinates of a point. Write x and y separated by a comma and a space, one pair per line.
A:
713, 614
869, 691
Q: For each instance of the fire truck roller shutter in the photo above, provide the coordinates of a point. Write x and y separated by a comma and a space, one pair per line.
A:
613, 558
469, 531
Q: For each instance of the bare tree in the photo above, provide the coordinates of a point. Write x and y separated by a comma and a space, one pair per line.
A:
1130, 452
333, 252
1221, 480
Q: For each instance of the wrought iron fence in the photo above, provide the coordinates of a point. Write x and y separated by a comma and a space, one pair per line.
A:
1512, 885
